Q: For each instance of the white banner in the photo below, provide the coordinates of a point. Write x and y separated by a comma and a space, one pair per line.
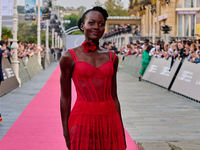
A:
7, 7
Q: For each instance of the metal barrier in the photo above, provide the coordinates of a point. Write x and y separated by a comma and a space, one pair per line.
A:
132, 65
10, 81
158, 72
183, 78
187, 82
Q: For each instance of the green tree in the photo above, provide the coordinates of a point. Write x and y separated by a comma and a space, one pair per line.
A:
77, 32
81, 9
20, 9
73, 20
115, 8
6, 33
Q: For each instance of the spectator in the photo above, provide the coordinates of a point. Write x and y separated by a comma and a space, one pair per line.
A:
105, 45
114, 48
1, 75
109, 45
145, 60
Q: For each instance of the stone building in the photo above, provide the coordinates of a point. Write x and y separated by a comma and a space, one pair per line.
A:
180, 15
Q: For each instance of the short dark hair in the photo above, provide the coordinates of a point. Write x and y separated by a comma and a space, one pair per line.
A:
189, 43
104, 44
96, 8
109, 42
146, 40
184, 41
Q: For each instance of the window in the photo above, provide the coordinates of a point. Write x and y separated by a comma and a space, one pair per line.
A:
189, 3
180, 3
186, 25
180, 25
192, 25
198, 3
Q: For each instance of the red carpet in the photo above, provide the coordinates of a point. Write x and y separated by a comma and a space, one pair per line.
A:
39, 126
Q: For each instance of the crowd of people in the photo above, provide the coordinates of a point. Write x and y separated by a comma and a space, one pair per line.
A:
25, 50
188, 49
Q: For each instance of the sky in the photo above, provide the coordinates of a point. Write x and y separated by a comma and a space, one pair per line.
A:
75, 3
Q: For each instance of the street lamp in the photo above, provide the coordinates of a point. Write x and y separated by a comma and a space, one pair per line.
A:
167, 1
153, 6
140, 11
143, 10
39, 35
15, 62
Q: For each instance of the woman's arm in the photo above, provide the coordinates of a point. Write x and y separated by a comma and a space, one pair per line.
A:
114, 93
66, 66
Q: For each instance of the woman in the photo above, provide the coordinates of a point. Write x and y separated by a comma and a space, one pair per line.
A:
145, 60
193, 55
95, 120
1, 75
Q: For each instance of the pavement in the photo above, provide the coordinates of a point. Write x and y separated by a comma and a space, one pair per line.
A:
155, 118
13, 103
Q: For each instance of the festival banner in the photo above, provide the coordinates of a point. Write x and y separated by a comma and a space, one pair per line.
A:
30, 9
7, 7
46, 9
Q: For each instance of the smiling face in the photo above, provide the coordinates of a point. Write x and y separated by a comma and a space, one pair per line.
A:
94, 26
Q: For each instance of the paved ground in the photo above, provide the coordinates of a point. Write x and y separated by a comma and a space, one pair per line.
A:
15, 102
155, 118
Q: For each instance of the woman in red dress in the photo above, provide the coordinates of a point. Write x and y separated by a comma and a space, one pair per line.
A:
95, 121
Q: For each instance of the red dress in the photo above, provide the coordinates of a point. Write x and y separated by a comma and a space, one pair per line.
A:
94, 123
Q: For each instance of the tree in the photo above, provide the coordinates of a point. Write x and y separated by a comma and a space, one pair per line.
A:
6, 33
20, 9
81, 9
98, 3
77, 33
115, 8
73, 20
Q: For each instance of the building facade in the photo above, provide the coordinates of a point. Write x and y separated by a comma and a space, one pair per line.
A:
180, 15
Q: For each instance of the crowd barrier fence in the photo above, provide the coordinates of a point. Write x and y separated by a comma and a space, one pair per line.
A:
132, 65
183, 79
27, 70
10, 81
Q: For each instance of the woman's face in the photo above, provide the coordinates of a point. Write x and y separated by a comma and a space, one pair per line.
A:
192, 48
94, 25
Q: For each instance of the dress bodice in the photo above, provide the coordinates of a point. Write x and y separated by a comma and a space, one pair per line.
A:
92, 84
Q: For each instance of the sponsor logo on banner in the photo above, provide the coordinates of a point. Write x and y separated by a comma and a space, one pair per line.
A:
153, 69
10, 81
30, 9
186, 76
8, 73
165, 71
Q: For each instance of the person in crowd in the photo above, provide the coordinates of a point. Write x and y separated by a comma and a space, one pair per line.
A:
174, 54
93, 71
182, 50
1, 75
105, 45
192, 56
145, 60
1, 71
184, 43
114, 48
109, 47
